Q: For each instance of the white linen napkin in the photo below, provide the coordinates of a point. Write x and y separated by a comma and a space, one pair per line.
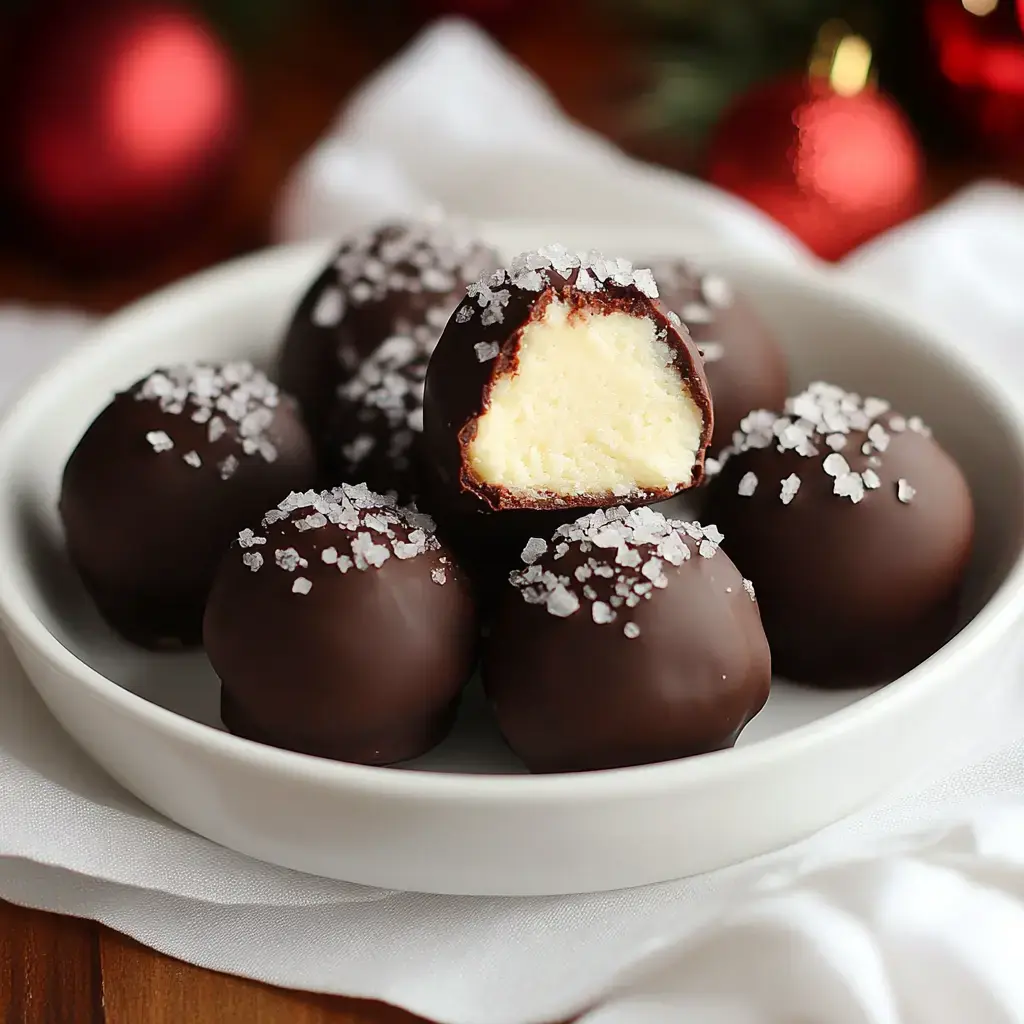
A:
912, 912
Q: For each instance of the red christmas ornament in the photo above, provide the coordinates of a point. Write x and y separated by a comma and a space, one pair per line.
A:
127, 115
835, 169
979, 48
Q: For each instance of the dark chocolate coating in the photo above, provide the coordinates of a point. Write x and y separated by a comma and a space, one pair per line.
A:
488, 544
366, 667
745, 365
572, 695
850, 594
145, 530
384, 467
316, 357
374, 429
458, 389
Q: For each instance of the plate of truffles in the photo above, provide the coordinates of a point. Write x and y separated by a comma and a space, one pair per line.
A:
515, 560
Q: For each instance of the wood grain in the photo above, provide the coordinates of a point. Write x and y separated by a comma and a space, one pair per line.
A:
143, 987
49, 969
62, 970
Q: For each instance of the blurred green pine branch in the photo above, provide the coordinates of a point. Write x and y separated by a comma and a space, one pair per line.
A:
704, 53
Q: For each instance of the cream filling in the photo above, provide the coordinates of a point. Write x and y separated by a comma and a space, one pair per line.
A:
596, 407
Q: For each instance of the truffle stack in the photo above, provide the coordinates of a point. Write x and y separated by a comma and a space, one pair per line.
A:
356, 352
559, 384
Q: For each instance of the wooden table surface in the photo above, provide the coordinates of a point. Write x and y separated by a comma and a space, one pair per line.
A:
58, 970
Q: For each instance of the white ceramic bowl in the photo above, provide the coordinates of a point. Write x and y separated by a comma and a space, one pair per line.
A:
468, 821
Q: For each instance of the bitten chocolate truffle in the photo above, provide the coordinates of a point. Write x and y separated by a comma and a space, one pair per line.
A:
628, 638
745, 366
561, 383
396, 280
341, 627
855, 526
164, 478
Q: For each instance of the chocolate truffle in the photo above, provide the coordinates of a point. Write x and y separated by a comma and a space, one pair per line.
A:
164, 478
855, 526
400, 279
745, 366
374, 429
561, 383
628, 638
341, 627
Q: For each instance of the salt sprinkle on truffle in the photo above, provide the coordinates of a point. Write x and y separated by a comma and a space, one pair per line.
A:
629, 548
531, 272
233, 393
376, 526
431, 255
823, 413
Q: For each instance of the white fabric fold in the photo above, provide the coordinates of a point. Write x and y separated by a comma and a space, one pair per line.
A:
454, 122
911, 912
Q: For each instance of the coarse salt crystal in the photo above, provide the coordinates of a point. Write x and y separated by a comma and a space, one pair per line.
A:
835, 465
160, 441
789, 488
329, 308
849, 485
748, 485
645, 283
288, 559
535, 547
562, 602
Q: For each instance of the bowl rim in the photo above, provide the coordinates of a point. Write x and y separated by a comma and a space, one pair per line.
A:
989, 624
